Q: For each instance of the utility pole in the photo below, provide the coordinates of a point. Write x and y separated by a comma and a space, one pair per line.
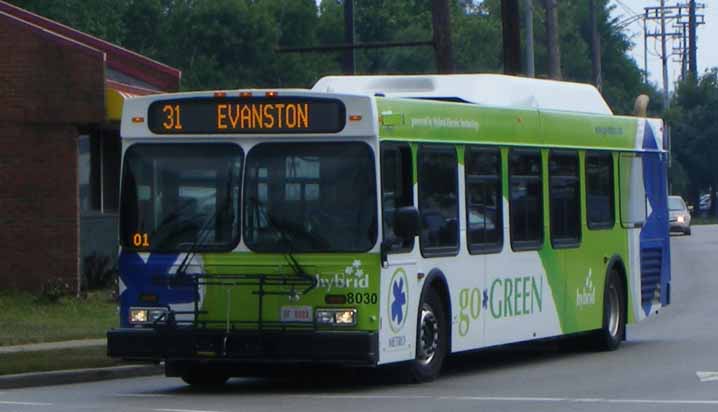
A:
442, 36
664, 55
510, 22
348, 65
529, 29
645, 49
692, 45
552, 37
595, 46
677, 14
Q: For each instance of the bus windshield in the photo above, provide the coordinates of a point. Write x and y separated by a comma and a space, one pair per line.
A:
309, 197
177, 195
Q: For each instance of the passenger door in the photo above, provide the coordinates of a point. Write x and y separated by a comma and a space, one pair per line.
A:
399, 289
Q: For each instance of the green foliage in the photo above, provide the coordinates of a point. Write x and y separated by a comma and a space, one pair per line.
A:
694, 130
224, 44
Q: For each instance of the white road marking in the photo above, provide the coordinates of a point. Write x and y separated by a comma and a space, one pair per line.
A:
707, 376
182, 410
25, 403
369, 397
142, 395
501, 398
523, 399
584, 400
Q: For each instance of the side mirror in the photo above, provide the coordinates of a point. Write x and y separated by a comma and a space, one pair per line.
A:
406, 222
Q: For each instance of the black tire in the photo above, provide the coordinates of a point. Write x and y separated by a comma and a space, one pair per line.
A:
612, 332
204, 377
687, 232
431, 338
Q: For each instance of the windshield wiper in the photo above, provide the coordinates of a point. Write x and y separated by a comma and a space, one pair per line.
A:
204, 231
282, 231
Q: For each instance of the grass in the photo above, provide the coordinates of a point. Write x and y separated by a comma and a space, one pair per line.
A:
25, 319
92, 357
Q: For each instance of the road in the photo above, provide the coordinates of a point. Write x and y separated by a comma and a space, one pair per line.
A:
655, 370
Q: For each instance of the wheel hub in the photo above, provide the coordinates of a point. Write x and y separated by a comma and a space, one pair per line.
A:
613, 311
428, 335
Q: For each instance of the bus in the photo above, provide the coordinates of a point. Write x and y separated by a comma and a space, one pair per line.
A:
374, 220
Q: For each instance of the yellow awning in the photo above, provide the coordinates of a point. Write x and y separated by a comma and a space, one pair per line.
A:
115, 95
114, 99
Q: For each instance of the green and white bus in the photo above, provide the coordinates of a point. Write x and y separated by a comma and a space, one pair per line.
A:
382, 219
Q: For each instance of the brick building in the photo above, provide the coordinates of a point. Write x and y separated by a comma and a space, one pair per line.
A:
61, 95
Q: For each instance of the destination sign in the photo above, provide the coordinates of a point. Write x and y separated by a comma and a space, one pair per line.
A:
246, 115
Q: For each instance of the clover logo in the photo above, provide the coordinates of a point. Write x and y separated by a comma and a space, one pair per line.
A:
355, 269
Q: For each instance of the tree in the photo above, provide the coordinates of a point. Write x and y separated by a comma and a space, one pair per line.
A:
694, 131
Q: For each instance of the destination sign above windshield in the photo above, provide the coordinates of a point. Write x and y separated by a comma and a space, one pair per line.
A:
246, 115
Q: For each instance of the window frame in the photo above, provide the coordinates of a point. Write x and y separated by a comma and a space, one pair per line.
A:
565, 243
527, 245
630, 225
612, 192
372, 157
487, 247
440, 251
396, 146
229, 246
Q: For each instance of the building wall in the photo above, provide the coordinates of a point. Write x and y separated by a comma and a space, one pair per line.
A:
49, 87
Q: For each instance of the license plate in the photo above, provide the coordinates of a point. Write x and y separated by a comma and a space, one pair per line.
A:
296, 314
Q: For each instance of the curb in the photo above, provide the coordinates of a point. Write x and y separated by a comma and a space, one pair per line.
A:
62, 377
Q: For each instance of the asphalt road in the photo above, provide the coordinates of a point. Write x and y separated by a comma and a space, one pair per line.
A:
655, 370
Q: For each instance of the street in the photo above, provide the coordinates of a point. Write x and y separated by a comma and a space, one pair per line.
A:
657, 369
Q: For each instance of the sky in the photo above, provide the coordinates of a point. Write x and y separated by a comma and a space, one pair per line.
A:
707, 37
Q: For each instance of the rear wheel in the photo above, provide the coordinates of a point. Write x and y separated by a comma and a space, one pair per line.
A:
614, 314
431, 338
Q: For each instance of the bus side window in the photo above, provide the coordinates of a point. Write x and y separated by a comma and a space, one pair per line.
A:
564, 199
483, 200
600, 212
397, 185
438, 200
526, 204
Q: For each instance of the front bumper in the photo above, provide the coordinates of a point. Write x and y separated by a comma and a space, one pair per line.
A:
679, 227
244, 347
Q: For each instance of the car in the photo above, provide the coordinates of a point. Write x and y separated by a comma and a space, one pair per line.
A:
679, 218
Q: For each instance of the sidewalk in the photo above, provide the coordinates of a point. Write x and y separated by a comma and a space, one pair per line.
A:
68, 344
59, 377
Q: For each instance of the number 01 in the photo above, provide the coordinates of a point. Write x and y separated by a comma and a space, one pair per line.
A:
140, 240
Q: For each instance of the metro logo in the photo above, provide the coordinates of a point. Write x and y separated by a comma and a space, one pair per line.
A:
518, 296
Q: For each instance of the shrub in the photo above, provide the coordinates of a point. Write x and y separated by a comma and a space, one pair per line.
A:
53, 290
98, 272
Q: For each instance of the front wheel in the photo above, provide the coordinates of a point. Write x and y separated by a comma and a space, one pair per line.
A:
431, 338
611, 334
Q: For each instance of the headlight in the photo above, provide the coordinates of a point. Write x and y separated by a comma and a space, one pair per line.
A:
680, 219
140, 316
336, 317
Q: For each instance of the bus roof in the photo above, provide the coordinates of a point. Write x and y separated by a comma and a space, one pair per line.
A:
483, 89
